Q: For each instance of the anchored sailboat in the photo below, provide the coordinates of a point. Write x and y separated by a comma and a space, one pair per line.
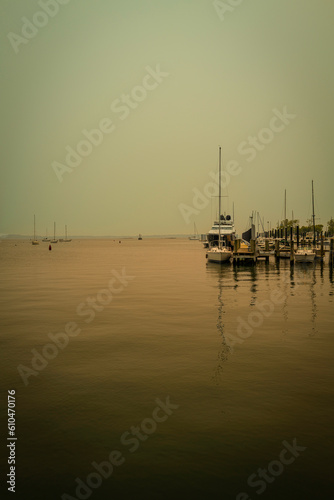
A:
34, 241
307, 254
46, 239
54, 234
195, 236
66, 239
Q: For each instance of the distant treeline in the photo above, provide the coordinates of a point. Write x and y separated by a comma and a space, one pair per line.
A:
309, 226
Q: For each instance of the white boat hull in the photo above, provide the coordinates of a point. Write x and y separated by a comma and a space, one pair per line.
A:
219, 256
305, 257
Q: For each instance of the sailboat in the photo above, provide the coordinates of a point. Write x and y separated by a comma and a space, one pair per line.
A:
140, 237
54, 234
34, 241
46, 239
195, 236
306, 254
220, 253
66, 239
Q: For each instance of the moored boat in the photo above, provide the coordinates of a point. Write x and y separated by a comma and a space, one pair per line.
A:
219, 255
194, 236
35, 241
54, 234
218, 251
304, 255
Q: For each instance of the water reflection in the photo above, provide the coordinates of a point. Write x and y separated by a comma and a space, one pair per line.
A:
313, 304
247, 274
221, 273
242, 288
331, 291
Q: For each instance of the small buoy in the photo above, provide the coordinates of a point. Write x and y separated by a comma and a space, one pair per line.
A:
50, 247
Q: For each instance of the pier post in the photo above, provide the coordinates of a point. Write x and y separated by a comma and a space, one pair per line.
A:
292, 253
253, 250
322, 253
277, 249
252, 247
235, 251
331, 252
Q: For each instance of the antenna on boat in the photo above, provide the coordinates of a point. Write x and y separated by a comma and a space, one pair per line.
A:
313, 214
220, 159
233, 212
285, 208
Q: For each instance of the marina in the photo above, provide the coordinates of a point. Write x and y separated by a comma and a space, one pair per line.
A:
223, 246
167, 250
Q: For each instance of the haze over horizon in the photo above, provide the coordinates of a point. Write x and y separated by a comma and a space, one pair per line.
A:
165, 83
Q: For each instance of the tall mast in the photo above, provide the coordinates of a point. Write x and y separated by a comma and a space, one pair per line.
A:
313, 214
285, 208
34, 228
220, 159
285, 221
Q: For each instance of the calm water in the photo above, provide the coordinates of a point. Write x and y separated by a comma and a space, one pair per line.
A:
168, 332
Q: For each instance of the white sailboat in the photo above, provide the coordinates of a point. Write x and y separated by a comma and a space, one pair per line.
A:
220, 253
54, 234
34, 241
307, 254
66, 238
284, 251
195, 236
46, 239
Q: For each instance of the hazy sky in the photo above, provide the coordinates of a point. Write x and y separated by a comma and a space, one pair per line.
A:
168, 82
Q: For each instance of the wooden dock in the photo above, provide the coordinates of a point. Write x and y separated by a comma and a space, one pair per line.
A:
251, 254
244, 255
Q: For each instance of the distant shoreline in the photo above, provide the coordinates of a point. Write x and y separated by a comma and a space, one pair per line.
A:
164, 236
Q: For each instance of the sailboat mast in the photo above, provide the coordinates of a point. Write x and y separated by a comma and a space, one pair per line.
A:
34, 227
220, 156
285, 208
313, 214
